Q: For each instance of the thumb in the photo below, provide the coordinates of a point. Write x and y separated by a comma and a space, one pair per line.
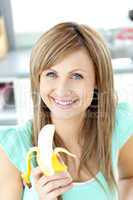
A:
36, 172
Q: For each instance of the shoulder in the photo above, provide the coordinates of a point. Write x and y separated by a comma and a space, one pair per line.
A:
122, 139
124, 131
123, 122
18, 131
124, 106
15, 141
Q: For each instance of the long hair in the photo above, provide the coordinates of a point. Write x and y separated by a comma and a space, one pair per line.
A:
62, 39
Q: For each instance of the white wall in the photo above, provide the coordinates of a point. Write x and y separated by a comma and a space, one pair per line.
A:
40, 15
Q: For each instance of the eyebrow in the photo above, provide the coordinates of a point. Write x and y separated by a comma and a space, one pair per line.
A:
70, 71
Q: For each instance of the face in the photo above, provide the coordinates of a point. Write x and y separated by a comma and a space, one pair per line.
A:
67, 87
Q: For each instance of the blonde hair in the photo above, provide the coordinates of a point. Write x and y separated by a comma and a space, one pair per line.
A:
99, 124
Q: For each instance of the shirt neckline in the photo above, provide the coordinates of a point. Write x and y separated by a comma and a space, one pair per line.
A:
88, 181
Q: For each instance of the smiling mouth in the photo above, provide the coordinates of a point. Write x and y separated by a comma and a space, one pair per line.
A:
64, 104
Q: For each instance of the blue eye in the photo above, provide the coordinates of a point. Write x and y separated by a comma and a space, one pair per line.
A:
78, 76
50, 74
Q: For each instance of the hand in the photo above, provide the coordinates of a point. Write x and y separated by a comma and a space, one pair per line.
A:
50, 187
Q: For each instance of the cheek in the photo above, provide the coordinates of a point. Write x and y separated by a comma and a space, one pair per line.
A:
88, 88
44, 89
87, 94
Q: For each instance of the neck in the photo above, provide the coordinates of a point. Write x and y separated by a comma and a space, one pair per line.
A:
69, 129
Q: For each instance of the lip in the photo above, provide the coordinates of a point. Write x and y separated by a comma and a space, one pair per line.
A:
65, 106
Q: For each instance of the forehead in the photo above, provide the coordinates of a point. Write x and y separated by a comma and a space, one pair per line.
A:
78, 59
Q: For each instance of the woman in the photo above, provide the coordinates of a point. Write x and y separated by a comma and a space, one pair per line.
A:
73, 88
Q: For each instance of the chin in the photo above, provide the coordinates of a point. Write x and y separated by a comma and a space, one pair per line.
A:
65, 115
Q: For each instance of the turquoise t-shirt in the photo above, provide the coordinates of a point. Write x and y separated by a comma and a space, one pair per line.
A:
16, 141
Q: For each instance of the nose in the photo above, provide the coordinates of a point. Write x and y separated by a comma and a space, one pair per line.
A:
63, 88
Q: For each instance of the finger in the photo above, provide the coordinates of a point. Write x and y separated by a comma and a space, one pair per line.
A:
50, 186
59, 191
57, 176
37, 173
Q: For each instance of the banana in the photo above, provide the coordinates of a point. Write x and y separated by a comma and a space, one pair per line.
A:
48, 159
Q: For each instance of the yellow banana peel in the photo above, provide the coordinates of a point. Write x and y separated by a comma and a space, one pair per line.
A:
48, 158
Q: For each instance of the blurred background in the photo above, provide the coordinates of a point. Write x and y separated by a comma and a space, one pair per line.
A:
22, 23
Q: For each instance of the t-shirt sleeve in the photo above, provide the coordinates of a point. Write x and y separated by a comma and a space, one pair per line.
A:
16, 141
124, 123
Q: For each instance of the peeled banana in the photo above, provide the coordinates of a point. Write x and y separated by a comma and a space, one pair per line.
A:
47, 158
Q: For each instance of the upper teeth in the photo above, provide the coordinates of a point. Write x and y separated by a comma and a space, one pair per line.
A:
63, 102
